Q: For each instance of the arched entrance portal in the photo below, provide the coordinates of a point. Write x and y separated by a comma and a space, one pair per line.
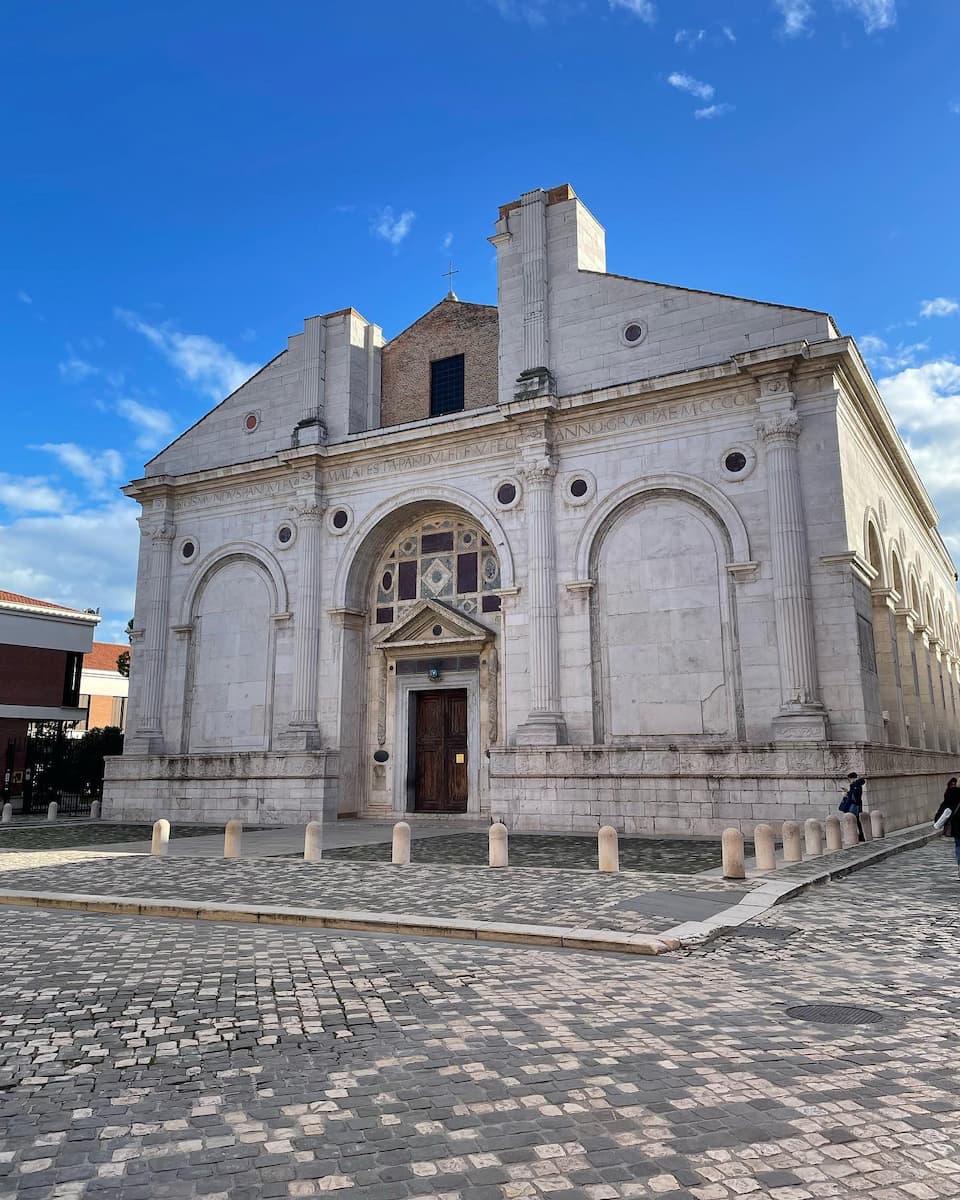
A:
425, 661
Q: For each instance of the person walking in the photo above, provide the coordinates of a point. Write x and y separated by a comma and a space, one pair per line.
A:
852, 801
951, 805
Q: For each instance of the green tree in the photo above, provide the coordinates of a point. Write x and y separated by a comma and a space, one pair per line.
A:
123, 658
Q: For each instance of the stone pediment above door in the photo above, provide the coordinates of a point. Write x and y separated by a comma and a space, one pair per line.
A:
430, 625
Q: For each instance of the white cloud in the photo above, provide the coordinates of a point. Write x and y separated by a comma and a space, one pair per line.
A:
714, 110
686, 83
208, 364
689, 37
98, 470
954, 107
24, 297
941, 306
76, 370
728, 33
391, 228
447, 241
797, 16
154, 426
532, 12
875, 14
30, 493
85, 559
871, 345
646, 10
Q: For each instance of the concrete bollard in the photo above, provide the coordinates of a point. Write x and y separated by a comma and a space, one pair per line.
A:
161, 836
765, 847
400, 851
849, 835
52, 809
231, 838
792, 849
733, 864
608, 849
499, 852
313, 842
813, 837
834, 838
877, 824
7, 815
95, 808
867, 826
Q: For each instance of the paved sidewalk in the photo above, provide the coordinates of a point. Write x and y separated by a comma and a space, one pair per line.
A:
156, 1060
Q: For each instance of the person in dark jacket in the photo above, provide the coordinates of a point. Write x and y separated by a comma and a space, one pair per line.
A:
853, 800
951, 804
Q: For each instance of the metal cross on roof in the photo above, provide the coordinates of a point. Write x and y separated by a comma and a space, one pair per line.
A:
449, 274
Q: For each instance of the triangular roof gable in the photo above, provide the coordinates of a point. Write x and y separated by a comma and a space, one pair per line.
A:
416, 628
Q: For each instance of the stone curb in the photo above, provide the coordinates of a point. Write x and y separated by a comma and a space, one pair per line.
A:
570, 938
775, 891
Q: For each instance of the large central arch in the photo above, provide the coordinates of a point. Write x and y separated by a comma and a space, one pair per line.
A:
383, 663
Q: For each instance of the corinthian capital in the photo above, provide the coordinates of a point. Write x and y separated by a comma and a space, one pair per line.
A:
312, 512
162, 533
538, 470
779, 427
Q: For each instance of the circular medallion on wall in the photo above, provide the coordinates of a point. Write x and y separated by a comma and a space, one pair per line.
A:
737, 462
579, 487
633, 333
187, 549
285, 535
251, 422
507, 493
339, 518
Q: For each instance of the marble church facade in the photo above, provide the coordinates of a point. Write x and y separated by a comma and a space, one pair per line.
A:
609, 551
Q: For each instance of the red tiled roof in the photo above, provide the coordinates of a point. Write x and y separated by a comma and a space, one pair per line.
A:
103, 656
14, 598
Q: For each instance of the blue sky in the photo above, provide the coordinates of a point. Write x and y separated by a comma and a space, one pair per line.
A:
184, 183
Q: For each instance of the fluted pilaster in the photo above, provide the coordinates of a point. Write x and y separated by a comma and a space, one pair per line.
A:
801, 708
533, 252
544, 724
307, 621
152, 652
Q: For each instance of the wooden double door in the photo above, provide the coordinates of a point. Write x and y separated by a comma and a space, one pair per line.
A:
440, 751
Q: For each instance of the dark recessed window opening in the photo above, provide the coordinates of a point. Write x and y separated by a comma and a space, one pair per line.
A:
340, 519
431, 543
633, 333
285, 534
407, 580
735, 462
188, 549
578, 488
71, 680
446, 385
384, 616
490, 603
466, 574
506, 493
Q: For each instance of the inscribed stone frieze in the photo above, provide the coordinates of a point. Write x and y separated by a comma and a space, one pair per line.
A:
656, 414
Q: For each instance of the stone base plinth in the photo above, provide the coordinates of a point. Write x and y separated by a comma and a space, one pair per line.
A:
262, 788
706, 789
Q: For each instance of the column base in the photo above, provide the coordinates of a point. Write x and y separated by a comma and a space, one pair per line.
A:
801, 724
542, 729
300, 735
144, 741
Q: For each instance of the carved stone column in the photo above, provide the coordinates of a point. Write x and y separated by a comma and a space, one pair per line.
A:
544, 725
152, 653
909, 677
307, 620
928, 709
801, 715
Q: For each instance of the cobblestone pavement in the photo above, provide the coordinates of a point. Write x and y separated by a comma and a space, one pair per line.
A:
682, 856
58, 835
525, 895
143, 1059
